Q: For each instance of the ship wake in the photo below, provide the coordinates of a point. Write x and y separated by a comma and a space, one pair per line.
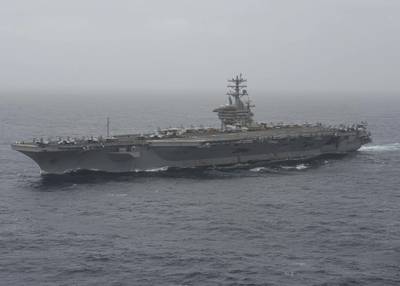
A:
391, 147
212, 172
277, 168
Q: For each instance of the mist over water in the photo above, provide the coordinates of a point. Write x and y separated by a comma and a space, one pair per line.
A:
333, 221
65, 114
294, 46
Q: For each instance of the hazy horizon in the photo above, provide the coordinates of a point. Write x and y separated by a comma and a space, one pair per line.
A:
282, 47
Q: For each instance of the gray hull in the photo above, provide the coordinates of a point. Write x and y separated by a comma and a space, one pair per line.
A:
159, 155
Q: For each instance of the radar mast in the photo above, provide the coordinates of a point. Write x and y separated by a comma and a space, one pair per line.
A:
236, 112
237, 89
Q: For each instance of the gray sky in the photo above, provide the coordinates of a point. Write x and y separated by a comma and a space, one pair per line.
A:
280, 45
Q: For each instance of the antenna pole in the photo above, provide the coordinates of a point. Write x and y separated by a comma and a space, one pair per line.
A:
108, 127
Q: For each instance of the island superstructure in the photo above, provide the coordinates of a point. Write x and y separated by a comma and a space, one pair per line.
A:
237, 112
239, 139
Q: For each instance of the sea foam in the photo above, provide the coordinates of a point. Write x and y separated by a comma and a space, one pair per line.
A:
381, 148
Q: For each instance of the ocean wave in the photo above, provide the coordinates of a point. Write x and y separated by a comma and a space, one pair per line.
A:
155, 170
302, 167
297, 167
381, 148
259, 169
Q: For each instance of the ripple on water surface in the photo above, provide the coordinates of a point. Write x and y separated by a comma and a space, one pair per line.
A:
332, 221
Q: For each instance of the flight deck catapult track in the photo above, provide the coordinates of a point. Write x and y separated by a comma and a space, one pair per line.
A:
240, 140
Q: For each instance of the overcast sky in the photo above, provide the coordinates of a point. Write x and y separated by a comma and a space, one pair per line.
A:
280, 45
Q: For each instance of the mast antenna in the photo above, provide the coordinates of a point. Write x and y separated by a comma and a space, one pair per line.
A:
108, 127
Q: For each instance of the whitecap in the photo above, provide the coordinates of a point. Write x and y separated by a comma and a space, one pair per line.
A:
297, 167
118, 195
161, 169
381, 148
258, 169
288, 167
301, 167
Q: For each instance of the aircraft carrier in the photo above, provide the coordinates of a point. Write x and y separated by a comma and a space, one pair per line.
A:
238, 140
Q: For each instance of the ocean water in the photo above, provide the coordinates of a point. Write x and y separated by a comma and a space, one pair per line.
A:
332, 221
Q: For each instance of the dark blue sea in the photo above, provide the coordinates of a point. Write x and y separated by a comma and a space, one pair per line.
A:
331, 221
